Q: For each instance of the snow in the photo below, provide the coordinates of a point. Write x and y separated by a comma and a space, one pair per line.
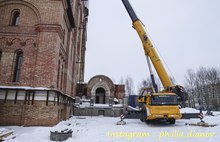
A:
132, 108
87, 105
189, 110
100, 129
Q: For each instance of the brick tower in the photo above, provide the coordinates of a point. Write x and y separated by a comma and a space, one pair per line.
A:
42, 53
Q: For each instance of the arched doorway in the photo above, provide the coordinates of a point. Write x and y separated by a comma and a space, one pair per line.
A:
100, 96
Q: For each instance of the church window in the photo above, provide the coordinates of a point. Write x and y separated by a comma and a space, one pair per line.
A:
15, 18
17, 67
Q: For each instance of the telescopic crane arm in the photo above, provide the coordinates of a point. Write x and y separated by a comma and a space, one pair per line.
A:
148, 47
151, 52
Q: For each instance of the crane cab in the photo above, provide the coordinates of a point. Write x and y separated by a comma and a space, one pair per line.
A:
159, 106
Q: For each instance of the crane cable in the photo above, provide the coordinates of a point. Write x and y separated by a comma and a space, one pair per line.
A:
154, 45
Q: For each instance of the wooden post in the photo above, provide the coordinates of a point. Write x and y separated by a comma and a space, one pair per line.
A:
33, 95
16, 96
47, 97
6, 95
25, 99
29, 96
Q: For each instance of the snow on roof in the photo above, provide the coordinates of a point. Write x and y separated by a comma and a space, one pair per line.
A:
25, 87
87, 105
33, 88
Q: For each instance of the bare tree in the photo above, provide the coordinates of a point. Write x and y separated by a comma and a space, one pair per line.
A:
121, 81
212, 81
147, 83
144, 83
201, 83
203, 87
190, 87
129, 86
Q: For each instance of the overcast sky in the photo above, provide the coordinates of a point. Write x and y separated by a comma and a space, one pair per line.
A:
186, 33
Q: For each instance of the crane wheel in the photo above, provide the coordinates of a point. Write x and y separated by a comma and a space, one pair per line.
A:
172, 121
144, 116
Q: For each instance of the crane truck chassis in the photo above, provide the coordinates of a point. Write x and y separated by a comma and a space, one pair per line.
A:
163, 105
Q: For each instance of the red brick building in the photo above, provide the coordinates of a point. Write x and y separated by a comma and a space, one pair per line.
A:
42, 53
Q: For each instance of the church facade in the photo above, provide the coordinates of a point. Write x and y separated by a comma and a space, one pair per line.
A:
42, 53
101, 90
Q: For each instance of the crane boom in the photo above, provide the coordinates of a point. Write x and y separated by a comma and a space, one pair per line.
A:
148, 47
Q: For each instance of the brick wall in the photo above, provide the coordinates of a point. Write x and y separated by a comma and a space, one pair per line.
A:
45, 36
33, 108
49, 34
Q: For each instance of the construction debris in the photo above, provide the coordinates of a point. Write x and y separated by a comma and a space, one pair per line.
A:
209, 113
6, 134
121, 123
61, 135
202, 124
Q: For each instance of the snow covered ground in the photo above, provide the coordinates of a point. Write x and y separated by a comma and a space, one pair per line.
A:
104, 129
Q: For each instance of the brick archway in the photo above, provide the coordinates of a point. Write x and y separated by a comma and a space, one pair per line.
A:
101, 81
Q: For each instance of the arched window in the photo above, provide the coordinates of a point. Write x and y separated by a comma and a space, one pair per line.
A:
15, 18
17, 67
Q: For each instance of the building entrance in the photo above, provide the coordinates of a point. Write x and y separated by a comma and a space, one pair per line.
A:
100, 96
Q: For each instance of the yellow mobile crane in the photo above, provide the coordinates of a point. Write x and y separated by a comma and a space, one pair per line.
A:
156, 105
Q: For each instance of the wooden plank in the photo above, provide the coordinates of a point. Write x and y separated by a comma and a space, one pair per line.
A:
5, 134
202, 124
